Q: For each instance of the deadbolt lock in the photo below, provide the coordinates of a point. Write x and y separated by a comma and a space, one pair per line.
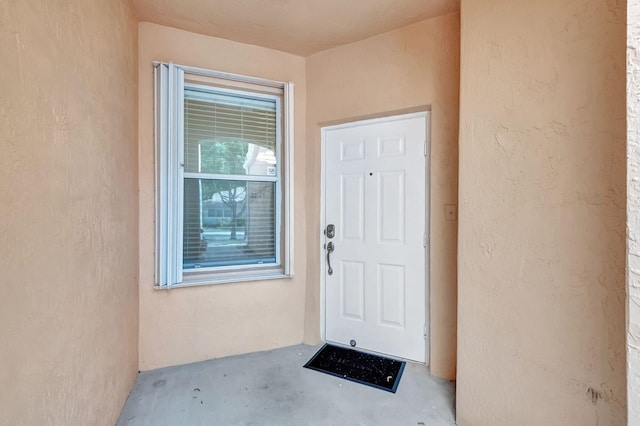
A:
330, 232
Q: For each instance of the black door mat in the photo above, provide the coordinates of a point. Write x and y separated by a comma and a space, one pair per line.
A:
372, 370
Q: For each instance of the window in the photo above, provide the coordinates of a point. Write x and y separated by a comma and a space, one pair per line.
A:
223, 165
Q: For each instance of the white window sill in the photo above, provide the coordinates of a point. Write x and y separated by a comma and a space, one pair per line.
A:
207, 281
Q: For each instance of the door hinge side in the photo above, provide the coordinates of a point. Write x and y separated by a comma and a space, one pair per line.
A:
425, 148
424, 240
424, 331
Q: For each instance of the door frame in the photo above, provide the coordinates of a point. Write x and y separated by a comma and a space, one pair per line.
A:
427, 219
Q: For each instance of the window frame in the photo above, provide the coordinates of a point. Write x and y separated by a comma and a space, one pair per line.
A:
170, 81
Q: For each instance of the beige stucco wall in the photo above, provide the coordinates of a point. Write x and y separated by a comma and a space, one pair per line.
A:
541, 313
68, 211
416, 66
633, 212
192, 324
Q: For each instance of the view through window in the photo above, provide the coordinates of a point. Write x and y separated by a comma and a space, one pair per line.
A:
231, 178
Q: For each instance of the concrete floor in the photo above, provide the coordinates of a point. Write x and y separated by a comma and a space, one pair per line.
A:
272, 388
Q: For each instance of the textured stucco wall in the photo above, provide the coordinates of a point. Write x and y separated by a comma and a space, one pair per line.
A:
541, 272
68, 211
192, 324
415, 66
633, 212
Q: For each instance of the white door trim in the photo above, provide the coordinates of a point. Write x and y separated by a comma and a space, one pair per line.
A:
323, 263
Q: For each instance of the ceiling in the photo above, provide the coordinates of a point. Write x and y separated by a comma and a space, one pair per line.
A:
301, 27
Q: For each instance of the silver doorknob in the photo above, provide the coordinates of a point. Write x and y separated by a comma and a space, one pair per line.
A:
330, 249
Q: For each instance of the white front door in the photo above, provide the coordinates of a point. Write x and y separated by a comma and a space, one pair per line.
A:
375, 198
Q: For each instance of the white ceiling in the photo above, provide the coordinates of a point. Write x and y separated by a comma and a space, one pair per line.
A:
301, 27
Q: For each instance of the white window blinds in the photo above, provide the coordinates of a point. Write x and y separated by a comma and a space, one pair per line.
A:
230, 216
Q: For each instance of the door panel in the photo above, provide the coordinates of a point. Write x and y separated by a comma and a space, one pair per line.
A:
391, 298
352, 202
391, 207
352, 294
375, 195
